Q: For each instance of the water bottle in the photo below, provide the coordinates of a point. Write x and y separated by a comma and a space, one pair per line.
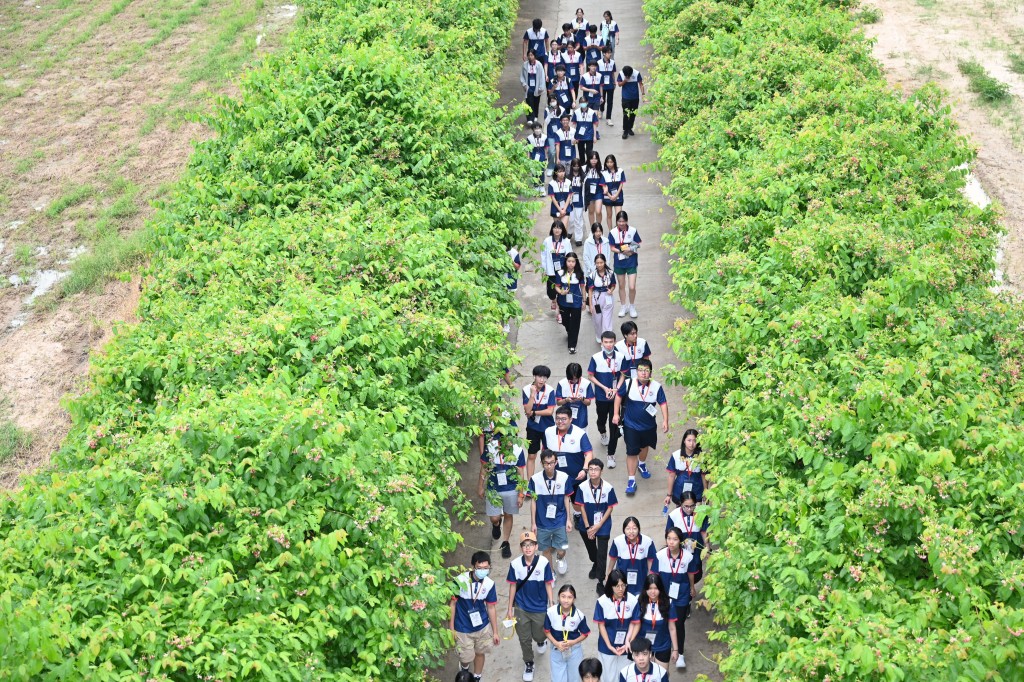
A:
664, 510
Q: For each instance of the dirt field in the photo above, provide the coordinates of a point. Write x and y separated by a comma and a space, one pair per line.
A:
97, 107
923, 40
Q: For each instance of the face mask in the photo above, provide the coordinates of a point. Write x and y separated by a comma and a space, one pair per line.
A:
481, 573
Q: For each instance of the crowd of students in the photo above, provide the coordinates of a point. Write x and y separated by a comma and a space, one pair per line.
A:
644, 593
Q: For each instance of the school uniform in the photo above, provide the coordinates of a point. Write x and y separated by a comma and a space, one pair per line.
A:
562, 91
586, 120
566, 146
675, 576
576, 222
691, 531
599, 287
566, 39
608, 73
472, 632
597, 504
581, 389
552, 122
570, 305
654, 673
533, 80
618, 616
640, 414
550, 494
689, 477
609, 33
571, 449
592, 192
613, 181
593, 98
607, 369
538, 42
630, 87
554, 251
624, 264
592, 48
580, 30
633, 560
531, 600
566, 627
654, 627
535, 427
632, 355
573, 69
504, 463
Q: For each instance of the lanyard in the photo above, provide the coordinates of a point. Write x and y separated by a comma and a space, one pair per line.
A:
577, 391
560, 437
688, 525
632, 549
597, 493
640, 390
642, 677
608, 359
533, 69
497, 458
621, 613
676, 563
654, 612
689, 464
550, 484
622, 233
473, 595
565, 633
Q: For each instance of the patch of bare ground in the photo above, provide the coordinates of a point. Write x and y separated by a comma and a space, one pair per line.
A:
920, 41
97, 109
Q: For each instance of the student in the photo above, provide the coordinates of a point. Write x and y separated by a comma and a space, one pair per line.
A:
571, 445
568, 36
580, 26
537, 143
606, 68
593, 198
633, 349
601, 285
560, 88
539, 408
642, 669
595, 244
536, 39
513, 283
657, 620
534, 85
625, 242
576, 187
529, 596
617, 616
694, 536
550, 493
570, 287
566, 628
684, 471
565, 138
590, 670
572, 59
592, 45
473, 620
590, 89
672, 564
502, 467
552, 123
595, 499
556, 246
636, 408
610, 31
554, 58
633, 92
577, 393
613, 185
586, 121
605, 372
633, 553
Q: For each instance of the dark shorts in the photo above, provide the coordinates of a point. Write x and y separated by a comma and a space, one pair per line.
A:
638, 440
625, 271
536, 440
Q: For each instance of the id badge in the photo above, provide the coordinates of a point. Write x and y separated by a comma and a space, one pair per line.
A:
533, 83
598, 516
620, 638
607, 80
502, 478
687, 487
568, 299
622, 256
632, 374
632, 577
560, 272
651, 409
567, 152
552, 512
673, 591
475, 619
651, 636
582, 129
536, 418
576, 198
575, 408
562, 462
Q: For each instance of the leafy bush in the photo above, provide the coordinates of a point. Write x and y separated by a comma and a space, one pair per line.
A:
982, 83
257, 483
859, 384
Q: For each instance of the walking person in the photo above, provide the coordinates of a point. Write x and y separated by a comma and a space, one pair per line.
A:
565, 138
529, 596
590, 89
569, 286
672, 564
617, 616
596, 244
632, 85
593, 197
537, 144
657, 620
539, 408
625, 243
566, 628
586, 120
556, 246
550, 493
502, 467
606, 374
473, 620
595, 499
560, 87
613, 185
577, 393
601, 286
593, 44
552, 124
610, 31
576, 217
571, 445
580, 26
572, 59
633, 553
636, 408
536, 39
643, 668
633, 349
606, 67
534, 84
684, 471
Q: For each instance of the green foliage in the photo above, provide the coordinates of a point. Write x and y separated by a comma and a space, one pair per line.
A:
12, 439
859, 383
257, 485
72, 197
1016, 62
111, 255
979, 81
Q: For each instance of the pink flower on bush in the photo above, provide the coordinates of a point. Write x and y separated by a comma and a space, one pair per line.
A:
419, 605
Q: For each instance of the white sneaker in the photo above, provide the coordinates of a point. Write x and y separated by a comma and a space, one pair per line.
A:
561, 566
507, 328
542, 648
632, 310
604, 441
680, 662
598, 339
610, 124
611, 462
622, 311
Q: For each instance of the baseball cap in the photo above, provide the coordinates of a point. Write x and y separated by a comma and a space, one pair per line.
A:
527, 537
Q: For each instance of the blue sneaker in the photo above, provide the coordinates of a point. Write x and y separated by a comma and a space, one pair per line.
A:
631, 487
643, 470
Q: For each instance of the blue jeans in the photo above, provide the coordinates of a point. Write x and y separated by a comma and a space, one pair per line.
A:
563, 669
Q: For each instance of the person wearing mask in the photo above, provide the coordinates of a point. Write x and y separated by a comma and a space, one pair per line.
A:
637, 405
601, 287
534, 84
633, 553
577, 393
631, 83
595, 499
473, 620
529, 596
672, 565
625, 242
550, 493
605, 372
566, 627
539, 408
570, 286
606, 67
617, 616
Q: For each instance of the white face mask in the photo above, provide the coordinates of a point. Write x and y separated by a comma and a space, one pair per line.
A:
481, 573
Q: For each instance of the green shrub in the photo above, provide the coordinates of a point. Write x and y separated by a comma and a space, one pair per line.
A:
982, 83
257, 484
858, 382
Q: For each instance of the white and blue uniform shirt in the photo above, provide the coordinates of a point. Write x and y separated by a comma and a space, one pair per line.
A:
538, 147
640, 404
583, 390
573, 299
617, 617
592, 184
580, 30
545, 399
633, 560
630, 86
607, 70
600, 284
471, 603
585, 124
592, 49
504, 461
655, 673
533, 595
555, 250
566, 148
538, 42
688, 475
609, 29
513, 277
674, 574
550, 496
573, 67
606, 368
597, 503
632, 355
562, 91
654, 627
571, 448
594, 83
621, 238
613, 182
577, 189
552, 122
565, 627
691, 531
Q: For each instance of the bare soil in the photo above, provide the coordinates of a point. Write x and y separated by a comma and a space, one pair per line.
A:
95, 107
920, 41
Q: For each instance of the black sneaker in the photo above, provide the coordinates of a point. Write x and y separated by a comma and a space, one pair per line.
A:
593, 573
600, 588
625, 135
632, 132
495, 531
506, 550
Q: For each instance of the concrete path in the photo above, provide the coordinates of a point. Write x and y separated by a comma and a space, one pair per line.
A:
542, 341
